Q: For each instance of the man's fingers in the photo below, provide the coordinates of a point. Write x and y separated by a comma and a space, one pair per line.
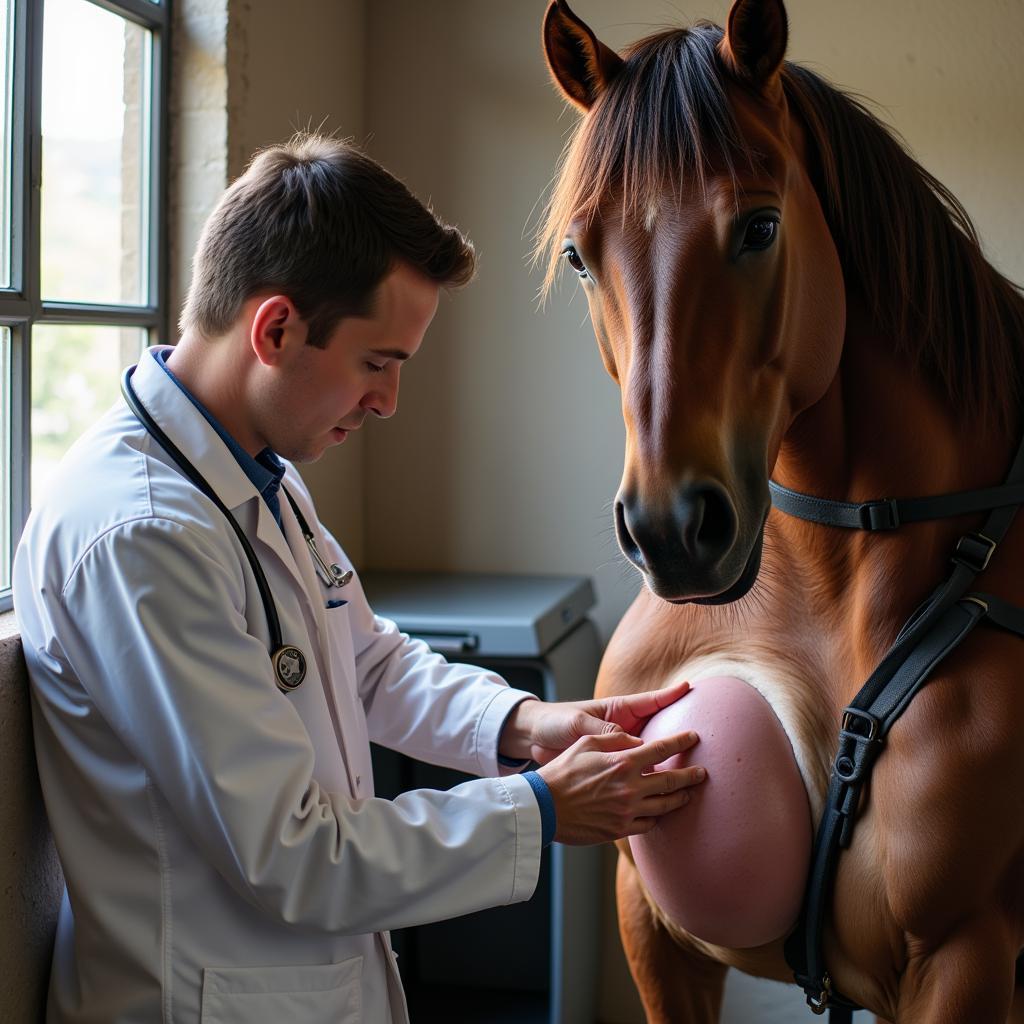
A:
660, 750
671, 780
655, 806
607, 741
643, 705
589, 725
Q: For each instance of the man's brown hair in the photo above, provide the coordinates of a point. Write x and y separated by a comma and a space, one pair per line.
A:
319, 221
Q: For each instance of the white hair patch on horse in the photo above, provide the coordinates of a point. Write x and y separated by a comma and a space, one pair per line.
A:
650, 215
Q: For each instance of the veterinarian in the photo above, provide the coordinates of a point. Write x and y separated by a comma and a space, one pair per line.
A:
207, 675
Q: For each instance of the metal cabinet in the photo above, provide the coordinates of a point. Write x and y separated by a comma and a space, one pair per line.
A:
536, 962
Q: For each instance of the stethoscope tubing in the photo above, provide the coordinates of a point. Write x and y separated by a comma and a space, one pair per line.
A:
193, 474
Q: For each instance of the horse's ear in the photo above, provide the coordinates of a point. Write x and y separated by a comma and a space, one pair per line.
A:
754, 44
580, 64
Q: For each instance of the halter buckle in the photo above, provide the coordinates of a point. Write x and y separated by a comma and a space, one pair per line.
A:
974, 550
819, 1003
850, 715
880, 515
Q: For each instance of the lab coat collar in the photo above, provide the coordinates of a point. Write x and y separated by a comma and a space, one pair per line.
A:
186, 426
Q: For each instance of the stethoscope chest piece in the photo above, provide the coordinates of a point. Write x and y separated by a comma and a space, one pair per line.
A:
289, 667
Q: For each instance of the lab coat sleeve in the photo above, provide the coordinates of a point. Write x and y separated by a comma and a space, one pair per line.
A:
421, 704
416, 701
151, 622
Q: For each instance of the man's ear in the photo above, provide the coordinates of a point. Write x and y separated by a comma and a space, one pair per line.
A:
271, 319
580, 64
754, 45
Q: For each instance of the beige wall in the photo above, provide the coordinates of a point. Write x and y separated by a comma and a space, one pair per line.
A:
507, 446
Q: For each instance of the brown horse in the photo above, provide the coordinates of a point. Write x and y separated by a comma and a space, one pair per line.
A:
782, 293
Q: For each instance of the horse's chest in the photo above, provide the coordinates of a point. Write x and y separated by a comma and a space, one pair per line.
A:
803, 675
736, 857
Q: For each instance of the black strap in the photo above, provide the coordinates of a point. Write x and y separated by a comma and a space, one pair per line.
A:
860, 742
891, 513
1005, 616
935, 629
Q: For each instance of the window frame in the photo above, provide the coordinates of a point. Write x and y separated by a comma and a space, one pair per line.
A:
21, 304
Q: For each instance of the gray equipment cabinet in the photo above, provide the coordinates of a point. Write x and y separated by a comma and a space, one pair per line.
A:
534, 962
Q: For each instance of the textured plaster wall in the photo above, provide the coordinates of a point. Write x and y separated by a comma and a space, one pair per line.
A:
198, 122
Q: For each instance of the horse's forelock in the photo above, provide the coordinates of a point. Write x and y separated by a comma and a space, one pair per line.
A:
663, 121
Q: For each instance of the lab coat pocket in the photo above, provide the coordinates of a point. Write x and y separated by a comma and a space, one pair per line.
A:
313, 994
345, 687
339, 635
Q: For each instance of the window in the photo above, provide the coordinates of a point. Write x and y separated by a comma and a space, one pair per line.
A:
82, 247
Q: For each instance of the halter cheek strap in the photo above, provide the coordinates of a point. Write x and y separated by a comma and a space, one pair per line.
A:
938, 626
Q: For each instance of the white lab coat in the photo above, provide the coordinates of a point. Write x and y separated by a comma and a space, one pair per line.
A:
226, 861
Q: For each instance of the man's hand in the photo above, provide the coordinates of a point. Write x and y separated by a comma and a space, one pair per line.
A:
541, 731
603, 787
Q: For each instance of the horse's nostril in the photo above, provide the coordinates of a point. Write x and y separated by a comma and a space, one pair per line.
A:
629, 546
708, 522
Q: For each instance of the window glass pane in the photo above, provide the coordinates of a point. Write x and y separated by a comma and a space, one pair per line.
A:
5, 457
96, 81
76, 375
7, 85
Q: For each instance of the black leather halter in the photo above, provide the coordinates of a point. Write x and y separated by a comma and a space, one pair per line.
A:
935, 629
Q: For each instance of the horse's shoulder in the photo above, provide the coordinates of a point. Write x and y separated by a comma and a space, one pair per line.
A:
948, 792
973, 705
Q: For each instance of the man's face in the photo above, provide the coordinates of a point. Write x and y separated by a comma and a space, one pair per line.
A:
319, 395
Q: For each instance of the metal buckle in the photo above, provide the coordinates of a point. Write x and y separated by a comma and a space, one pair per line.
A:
849, 714
879, 515
819, 1003
975, 551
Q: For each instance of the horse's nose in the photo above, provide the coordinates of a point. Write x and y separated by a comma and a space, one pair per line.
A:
700, 528
707, 521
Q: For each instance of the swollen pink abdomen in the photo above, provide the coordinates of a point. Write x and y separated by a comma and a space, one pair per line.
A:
730, 866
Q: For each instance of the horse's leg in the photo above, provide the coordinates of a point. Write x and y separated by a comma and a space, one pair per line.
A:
967, 980
677, 985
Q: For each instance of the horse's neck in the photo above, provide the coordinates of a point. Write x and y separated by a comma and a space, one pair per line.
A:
881, 431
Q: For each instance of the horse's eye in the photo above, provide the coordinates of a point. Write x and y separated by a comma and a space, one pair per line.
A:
574, 260
761, 232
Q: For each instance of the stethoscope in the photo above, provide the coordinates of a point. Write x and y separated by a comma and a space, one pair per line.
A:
288, 660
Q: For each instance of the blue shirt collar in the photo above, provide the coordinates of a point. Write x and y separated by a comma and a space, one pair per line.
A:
265, 470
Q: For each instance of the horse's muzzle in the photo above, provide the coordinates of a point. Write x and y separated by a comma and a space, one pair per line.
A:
692, 551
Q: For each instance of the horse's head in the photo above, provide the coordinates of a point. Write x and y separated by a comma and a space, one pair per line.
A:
685, 205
